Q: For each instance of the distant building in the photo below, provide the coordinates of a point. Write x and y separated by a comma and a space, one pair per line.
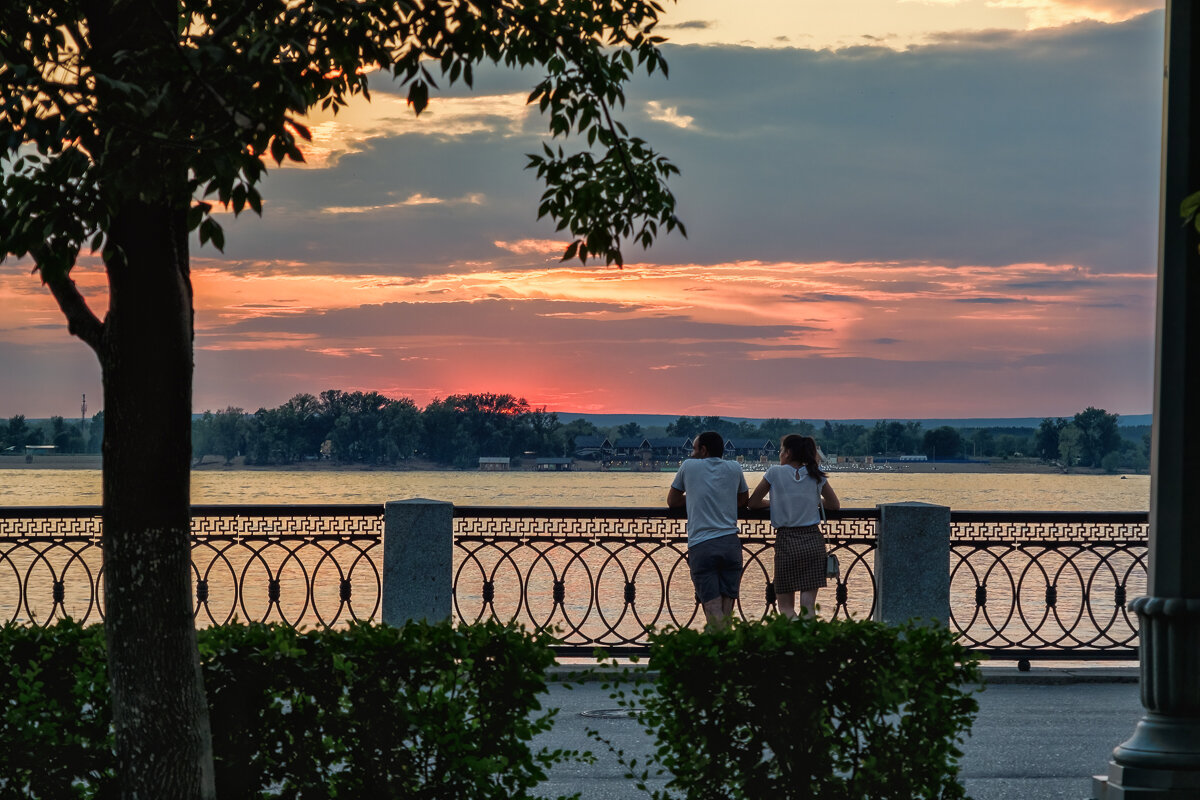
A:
751, 449
554, 464
593, 447
632, 447
670, 448
914, 458
494, 463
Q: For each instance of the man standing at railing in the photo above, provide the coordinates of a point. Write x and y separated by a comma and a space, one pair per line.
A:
712, 489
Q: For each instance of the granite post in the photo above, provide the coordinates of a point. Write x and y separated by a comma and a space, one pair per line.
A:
418, 550
912, 563
1161, 760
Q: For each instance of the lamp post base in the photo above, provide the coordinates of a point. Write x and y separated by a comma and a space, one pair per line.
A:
1142, 783
1161, 760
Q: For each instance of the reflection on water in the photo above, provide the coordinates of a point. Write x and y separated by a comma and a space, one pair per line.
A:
962, 491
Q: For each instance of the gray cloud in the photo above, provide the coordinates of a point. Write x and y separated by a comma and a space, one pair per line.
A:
534, 321
691, 24
990, 149
830, 296
1052, 284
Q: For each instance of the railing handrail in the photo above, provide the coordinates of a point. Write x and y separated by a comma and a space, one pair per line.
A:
604, 512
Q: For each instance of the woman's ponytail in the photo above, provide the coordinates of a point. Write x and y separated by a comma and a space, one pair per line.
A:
804, 450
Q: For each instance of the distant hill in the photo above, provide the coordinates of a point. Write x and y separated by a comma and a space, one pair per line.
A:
662, 420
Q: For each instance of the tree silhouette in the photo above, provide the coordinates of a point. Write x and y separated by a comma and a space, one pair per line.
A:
123, 123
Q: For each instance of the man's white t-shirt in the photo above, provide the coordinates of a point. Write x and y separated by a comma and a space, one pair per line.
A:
795, 496
711, 487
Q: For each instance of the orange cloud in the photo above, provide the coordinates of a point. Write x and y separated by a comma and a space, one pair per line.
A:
650, 337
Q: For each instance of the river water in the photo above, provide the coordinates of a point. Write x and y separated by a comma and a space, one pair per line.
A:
961, 491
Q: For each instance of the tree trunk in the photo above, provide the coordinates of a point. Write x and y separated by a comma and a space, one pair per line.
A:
164, 746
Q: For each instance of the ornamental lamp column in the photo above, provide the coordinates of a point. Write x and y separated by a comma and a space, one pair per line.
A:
1161, 760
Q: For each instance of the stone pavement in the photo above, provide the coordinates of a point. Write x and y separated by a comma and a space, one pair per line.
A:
1039, 734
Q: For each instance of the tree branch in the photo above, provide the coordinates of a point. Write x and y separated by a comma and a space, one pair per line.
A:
81, 321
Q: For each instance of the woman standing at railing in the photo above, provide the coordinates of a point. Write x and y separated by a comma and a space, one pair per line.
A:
797, 487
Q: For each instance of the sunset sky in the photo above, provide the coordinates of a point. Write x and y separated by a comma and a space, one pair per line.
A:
895, 208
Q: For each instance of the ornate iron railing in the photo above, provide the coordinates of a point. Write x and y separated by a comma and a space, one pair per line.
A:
1036, 585
302, 565
1023, 585
603, 577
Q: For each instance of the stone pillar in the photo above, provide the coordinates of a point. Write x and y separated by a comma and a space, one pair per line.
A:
1161, 760
418, 552
912, 563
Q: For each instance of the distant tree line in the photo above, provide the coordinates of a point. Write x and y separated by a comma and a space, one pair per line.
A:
456, 431
370, 428
67, 436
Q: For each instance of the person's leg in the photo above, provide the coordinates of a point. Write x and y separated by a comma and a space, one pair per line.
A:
714, 612
808, 601
702, 562
787, 603
730, 574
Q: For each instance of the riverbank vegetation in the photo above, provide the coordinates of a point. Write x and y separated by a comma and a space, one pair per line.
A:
373, 429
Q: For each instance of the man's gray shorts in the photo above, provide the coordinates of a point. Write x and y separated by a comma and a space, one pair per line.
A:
716, 567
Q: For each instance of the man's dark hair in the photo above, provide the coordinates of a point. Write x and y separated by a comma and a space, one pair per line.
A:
714, 441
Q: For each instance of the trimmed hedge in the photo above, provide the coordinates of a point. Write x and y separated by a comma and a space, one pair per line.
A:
369, 711
801, 709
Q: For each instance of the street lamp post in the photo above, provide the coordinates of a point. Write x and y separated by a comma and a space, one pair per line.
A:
1161, 760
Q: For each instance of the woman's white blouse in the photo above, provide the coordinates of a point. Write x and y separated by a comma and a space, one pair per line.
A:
795, 497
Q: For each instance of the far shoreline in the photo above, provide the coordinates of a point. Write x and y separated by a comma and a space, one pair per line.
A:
994, 466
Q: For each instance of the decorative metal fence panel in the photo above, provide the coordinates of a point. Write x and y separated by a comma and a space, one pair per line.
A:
50, 564
604, 577
1027, 585
1047, 585
305, 566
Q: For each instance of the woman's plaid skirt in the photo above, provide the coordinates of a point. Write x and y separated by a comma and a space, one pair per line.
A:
799, 559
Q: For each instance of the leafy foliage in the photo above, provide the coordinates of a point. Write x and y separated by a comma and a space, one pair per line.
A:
370, 711
55, 740
943, 441
805, 708
368, 427
198, 95
1189, 209
1098, 434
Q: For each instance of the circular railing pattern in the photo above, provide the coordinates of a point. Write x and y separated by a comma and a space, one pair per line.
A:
1047, 596
305, 566
1029, 584
606, 577
1042, 585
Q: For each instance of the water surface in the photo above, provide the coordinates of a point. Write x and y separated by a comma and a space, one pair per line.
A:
961, 491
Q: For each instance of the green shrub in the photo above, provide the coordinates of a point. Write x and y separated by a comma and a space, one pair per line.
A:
370, 711
781, 709
55, 737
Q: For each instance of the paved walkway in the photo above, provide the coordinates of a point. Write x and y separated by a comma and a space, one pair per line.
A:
1039, 734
